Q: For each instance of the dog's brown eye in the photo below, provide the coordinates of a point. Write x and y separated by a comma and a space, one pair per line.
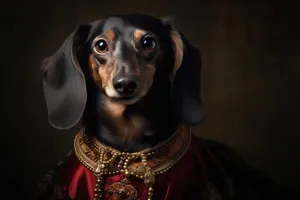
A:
101, 46
149, 43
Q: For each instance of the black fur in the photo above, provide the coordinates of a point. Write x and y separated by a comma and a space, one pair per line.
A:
69, 91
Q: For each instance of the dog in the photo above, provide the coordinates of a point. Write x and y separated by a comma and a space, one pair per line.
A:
133, 81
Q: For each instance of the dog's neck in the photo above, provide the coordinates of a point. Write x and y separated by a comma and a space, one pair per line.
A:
133, 127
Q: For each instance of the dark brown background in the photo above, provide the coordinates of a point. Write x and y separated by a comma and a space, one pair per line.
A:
251, 76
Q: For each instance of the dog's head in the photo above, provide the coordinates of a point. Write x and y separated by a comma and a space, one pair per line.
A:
125, 56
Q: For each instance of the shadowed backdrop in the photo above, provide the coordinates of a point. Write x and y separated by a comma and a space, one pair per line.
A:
250, 79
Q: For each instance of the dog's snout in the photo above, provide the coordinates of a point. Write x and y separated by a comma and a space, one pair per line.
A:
125, 85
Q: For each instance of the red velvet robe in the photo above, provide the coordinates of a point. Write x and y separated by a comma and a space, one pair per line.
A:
208, 171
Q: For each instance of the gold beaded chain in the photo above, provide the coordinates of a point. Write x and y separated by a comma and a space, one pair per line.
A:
101, 168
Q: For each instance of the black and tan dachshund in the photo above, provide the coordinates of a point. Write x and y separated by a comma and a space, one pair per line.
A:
134, 83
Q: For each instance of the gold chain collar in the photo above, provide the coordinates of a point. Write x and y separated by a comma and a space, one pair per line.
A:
103, 160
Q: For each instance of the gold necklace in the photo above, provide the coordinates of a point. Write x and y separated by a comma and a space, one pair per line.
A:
103, 160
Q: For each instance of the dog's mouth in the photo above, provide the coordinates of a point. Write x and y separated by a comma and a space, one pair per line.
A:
123, 98
126, 100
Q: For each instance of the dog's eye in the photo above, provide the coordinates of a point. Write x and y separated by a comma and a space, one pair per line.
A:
149, 43
101, 46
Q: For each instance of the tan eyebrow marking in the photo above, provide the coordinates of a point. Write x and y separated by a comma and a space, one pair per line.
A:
138, 34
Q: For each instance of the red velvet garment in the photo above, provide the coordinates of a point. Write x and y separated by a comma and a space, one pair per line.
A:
208, 171
189, 174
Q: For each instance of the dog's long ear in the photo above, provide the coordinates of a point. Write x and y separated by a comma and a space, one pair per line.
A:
185, 79
64, 82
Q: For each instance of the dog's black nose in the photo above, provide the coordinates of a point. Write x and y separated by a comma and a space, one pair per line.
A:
125, 85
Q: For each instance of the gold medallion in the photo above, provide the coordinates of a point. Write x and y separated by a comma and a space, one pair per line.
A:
123, 190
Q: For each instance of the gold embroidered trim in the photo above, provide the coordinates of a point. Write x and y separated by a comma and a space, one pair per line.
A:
146, 164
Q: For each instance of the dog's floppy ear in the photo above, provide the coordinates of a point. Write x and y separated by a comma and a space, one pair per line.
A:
185, 79
64, 82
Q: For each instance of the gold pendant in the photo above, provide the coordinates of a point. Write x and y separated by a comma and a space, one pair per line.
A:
149, 177
122, 190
